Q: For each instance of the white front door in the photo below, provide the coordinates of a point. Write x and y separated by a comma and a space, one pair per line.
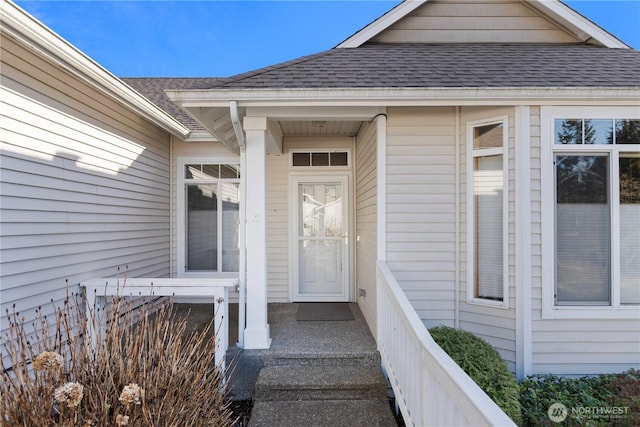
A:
320, 238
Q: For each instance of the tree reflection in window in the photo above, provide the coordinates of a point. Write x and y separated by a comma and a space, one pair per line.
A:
627, 132
581, 179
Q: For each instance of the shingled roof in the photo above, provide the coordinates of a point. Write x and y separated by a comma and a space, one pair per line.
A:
153, 89
421, 66
449, 66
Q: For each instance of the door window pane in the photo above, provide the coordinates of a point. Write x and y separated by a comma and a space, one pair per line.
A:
202, 229
629, 230
339, 158
332, 210
309, 210
582, 230
301, 159
488, 182
320, 159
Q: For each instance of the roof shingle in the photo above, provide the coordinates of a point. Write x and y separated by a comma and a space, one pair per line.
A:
449, 65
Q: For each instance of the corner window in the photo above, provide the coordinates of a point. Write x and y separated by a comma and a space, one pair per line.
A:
595, 170
210, 197
488, 190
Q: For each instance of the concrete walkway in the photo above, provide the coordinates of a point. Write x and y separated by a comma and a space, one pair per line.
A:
316, 373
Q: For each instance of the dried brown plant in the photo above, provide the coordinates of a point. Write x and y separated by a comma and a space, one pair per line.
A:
142, 369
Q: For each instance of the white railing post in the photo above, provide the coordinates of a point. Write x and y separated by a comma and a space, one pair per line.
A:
221, 325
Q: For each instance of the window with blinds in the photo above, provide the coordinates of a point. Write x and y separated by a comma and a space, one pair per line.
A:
597, 206
488, 207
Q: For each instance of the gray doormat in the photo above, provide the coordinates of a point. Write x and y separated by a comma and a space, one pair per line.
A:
319, 311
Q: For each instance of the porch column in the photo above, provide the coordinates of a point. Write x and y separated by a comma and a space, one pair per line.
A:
256, 333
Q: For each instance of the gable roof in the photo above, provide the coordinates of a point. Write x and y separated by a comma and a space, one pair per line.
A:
571, 21
374, 74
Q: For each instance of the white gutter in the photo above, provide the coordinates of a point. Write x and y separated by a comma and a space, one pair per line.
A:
390, 97
242, 282
18, 25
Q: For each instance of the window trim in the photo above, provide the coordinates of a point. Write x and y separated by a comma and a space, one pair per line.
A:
473, 153
548, 115
181, 228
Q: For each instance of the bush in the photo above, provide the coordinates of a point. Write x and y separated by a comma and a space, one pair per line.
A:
483, 364
539, 392
625, 393
144, 370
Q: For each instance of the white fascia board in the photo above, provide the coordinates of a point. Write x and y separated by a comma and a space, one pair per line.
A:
31, 33
382, 23
577, 23
389, 97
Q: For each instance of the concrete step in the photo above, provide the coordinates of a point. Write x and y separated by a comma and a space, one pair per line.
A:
322, 413
320, 383
245, 365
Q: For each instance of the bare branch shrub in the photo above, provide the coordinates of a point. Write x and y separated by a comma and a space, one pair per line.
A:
142, 369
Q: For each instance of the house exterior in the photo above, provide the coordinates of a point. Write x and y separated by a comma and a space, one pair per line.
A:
486, 152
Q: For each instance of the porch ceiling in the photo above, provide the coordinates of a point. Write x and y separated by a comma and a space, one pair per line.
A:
320, 128
283, 121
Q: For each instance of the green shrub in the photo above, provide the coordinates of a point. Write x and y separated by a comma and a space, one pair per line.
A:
539, 392
145, 370
622, 391
483, 364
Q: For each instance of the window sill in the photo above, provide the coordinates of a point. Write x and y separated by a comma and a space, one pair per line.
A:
488, 303
207, 274
595, 313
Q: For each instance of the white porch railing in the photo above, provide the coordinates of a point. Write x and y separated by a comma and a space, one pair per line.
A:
430, 388
213, 290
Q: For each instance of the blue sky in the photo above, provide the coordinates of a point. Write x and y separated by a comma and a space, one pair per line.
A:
216, 38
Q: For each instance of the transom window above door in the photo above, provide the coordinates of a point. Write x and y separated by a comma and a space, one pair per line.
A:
320, 159
208, 216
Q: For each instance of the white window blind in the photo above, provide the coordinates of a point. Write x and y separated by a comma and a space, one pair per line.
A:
488, 181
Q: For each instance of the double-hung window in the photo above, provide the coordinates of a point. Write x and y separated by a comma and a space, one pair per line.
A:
487, 201
594, 208
209, 198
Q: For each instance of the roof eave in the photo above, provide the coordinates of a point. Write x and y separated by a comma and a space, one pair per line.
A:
406, 96
578, 24
26, 30
381, 24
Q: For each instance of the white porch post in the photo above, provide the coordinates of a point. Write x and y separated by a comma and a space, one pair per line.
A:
256, 333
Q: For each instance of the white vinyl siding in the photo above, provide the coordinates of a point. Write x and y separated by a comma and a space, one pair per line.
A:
421, 208
278, 228
475, 21
85, 186
366, 221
